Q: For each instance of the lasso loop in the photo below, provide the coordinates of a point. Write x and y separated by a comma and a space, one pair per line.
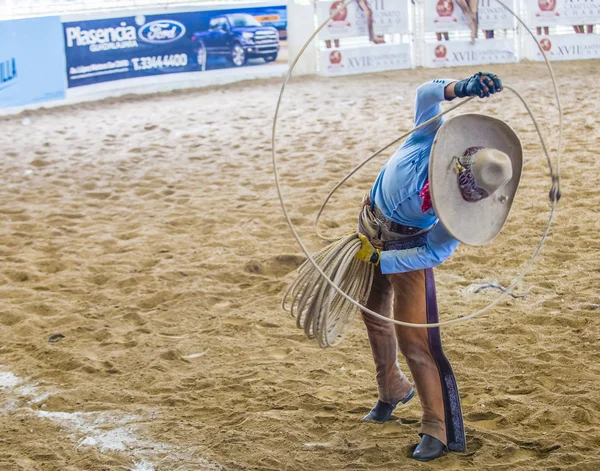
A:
554, 174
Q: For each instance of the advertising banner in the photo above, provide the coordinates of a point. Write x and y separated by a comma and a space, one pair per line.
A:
543, 12
563, 12
446, 15
371, 58
459, 53
137, 46
31, 61
566, 47
388, 16
492, 15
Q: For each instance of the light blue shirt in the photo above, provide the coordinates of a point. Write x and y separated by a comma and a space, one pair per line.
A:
397, 189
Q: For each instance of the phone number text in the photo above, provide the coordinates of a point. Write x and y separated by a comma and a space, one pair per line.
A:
158, 62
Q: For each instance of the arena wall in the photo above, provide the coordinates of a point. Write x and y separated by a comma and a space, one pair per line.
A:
148, 84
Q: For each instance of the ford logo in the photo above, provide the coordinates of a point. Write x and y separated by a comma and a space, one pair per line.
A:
161, 31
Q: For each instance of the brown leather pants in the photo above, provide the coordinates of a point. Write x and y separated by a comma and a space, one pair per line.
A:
406, 293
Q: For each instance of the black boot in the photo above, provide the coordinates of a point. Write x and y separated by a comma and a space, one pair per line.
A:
429, 449
383, 411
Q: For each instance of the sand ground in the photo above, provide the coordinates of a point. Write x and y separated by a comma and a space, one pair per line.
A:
146, 231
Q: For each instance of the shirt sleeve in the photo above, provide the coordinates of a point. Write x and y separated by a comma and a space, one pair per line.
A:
440, 245
427, 105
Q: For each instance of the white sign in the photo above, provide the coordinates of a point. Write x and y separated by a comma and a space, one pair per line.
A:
358, 60
563, 12
566, 47
446, 15
492, 15
544, 12
458, 53
389, 16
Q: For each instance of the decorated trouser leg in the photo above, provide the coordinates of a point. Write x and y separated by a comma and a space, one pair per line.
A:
414, 301
455, 428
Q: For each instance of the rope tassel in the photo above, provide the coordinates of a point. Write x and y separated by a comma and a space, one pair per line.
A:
318, 308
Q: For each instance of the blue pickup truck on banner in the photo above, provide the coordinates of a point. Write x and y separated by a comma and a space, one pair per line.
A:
120, 48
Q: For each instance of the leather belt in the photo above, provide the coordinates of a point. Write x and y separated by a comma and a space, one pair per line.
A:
388, 223
406, 244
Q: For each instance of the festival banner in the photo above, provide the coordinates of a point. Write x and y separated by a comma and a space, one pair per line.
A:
563, 12
459, 53
446, 15
566, 47
389, 16
492, 15
363, 59
138, 46
31, 61
581, 12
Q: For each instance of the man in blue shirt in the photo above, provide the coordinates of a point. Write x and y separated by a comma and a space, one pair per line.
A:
402, 235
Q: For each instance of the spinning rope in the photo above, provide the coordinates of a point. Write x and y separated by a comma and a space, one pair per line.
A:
332, 284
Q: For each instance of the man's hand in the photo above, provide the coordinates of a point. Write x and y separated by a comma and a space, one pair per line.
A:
482, 84
367, 252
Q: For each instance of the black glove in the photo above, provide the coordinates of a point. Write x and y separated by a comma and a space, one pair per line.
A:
474, 86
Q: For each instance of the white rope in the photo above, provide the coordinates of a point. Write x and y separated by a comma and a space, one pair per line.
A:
319, 309
325, 277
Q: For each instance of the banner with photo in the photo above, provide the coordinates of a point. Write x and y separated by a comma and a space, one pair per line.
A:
459, 53
544, 12
138, 46
362, 59
32, 61
566, 47
447, 15
389, 16
492, 15
563, 12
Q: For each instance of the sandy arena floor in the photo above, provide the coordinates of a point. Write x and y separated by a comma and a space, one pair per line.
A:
146, 231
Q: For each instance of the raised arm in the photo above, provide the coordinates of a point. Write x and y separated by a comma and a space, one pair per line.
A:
431, 94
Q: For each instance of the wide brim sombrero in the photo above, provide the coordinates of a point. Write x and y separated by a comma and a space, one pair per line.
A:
480, 222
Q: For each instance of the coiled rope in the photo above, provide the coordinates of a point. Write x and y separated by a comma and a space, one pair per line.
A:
319, 298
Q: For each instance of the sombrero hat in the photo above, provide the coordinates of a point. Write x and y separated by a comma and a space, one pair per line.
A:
474, 171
